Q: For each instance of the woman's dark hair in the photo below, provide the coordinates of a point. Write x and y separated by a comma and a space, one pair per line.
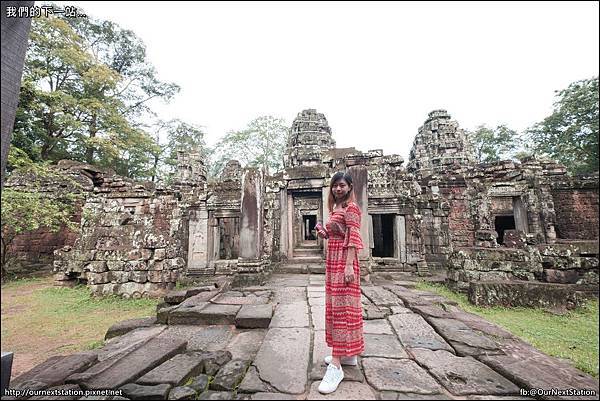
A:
340, 175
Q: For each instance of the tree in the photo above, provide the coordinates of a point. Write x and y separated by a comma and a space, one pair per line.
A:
570, 134
180, 136
494, 144
86, 90
27, 211
261, 143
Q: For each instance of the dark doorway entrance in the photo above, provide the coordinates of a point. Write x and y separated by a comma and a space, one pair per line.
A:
308, 223
383, 235
229, 237
502, 223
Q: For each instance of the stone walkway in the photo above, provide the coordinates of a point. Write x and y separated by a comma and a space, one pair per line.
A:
268, 342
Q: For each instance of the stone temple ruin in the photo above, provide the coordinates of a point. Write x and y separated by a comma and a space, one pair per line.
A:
507, 232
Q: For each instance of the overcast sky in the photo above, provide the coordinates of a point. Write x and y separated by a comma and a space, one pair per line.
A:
374, 69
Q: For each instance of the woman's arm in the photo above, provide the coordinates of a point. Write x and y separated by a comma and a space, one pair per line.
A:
349, 270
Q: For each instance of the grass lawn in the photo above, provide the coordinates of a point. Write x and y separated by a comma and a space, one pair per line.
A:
40, 320
572, 336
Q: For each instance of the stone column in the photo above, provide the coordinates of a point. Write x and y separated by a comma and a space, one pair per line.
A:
251, 227
283, 226
198, 241
359, 179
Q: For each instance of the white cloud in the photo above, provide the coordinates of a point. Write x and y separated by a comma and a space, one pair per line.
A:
374, 69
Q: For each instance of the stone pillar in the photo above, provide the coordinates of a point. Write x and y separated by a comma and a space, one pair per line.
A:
198, 241
15, 34
283, 227
251, 225
359, 179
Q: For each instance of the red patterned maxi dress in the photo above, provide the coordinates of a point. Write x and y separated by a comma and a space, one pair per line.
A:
343, 309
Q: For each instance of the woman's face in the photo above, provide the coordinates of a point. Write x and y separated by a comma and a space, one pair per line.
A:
340, 189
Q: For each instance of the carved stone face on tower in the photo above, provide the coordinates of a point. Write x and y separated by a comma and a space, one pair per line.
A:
310, 136
440, 146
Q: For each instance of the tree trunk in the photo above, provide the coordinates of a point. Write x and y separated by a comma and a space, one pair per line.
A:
89, 152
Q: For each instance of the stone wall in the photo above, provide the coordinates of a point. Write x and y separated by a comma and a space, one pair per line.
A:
34, 250
576, 204
133, 241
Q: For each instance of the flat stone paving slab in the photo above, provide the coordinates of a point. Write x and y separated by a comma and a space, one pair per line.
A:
283, 359
175, 371
251, 382
401, 375
377, 326
138, 392
126, 326
530, 368
254, 316
135, 364
414, 332
346, 391
384, 346
229, 300
202, 338
318, 317
380, 296
54, 371
464, 340
320, 349
463, 375
288, 295
245, 345
290, 315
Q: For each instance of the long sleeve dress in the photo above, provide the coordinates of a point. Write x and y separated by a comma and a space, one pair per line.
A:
343, 309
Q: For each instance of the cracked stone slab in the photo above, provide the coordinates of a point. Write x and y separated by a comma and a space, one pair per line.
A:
463, 375
399, 309
530, 368
201, 338
252, 383
245, 345
135, 364
125, 326
175, 371
377, 326
54, 371
401, 375
230, 375
290, 315
374, 312
316, 301
414, 332
347, 390
464, 340
383, 345
380, 296
282, 360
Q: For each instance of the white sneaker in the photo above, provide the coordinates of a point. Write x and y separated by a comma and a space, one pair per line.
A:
333, 377
345, 360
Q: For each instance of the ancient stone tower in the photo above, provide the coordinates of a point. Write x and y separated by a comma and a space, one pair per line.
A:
310, 138
440, 146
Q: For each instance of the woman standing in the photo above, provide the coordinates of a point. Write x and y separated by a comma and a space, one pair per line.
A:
343, 309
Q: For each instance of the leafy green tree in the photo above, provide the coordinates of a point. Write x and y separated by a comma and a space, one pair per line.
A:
180, 136
494, 144
86, 90
261, 143
570, 134
26, 211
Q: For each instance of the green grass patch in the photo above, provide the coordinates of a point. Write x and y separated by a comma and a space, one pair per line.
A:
38, 318
572, 336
